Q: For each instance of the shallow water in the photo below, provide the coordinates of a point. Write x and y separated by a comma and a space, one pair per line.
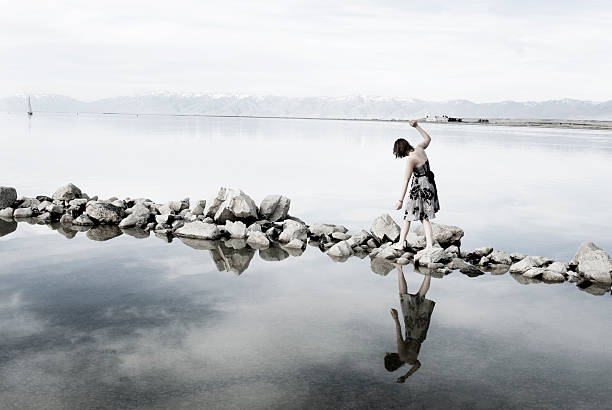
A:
140, 323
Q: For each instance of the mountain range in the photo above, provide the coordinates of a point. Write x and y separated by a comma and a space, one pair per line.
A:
350, 107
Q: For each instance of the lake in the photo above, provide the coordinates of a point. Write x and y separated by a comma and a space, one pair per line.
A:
141, 323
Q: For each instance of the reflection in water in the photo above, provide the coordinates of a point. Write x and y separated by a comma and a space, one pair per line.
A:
417, 311
7, 226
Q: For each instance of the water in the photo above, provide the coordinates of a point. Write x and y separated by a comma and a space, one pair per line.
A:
140, 323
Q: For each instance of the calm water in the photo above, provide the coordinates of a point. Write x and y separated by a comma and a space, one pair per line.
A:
141, 323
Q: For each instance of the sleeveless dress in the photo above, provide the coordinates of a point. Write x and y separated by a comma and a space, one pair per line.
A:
423, 196
417, 312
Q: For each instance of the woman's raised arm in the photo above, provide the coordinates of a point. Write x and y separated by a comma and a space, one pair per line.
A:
424, 134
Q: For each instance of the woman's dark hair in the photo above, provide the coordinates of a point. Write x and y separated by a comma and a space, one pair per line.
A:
402, 148
392, 362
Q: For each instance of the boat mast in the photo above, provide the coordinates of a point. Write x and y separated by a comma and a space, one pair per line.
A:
29, 106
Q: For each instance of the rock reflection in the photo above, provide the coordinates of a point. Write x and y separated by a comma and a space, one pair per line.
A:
7, 226
416, 310
104, 232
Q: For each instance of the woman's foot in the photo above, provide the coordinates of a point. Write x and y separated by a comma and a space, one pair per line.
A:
400, 246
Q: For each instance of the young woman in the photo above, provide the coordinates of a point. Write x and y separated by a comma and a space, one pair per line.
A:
422, 203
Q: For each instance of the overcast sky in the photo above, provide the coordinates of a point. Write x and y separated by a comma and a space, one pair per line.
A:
477, 50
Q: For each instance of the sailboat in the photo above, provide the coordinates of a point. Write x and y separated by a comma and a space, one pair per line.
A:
29, 107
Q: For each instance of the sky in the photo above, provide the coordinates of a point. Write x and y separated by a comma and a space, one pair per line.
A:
484, 51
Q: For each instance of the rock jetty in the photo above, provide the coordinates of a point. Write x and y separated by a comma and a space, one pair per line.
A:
232, 226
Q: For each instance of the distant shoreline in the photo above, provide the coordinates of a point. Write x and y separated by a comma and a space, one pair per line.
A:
541, 123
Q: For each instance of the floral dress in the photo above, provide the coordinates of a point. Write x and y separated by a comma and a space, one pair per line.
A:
423, 196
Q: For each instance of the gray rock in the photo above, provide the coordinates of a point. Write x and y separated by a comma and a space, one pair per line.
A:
66, 219
381, 266
274, 208
104, 232
199, 208
432, 257
254, 227
446, 235
273, 254
478, 253
67, 193
403, 261
557, 267
361, 237
458, 263
137, 233
8, 196
23, 213
415, 242
533, 272
258, 240
523, 280
235, 243
483, 261
55, 209
318, 230
552, 276
340, 236
45, 217
236, 229
121, 204
371, 243
24, 202
82, 220
138, 217
7, 227
104, 213
388, 252
293, 230
232, 204
471, 271
517, 256
198, 230
453, 249
164, 219
43, 205
294, 244
340, 249
384, 229
6, 212
593, 263
499, 269
500, 258
527, 263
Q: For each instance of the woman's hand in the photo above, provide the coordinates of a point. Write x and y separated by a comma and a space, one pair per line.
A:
394, 313
413, 123
399, 205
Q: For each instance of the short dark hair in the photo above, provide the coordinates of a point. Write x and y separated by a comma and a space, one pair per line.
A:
393, 362
402, 148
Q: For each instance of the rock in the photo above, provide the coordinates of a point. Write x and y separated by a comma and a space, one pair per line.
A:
165, 210
45, 217
82, 220
236, 229
273, 254
293, 230
557, 267
500, 258
104, 213
389, 253
499, 269
533, 272
478, 253
258, 240
7, 227
318, 230
235, 243
8, 196
198, 230
446, 235
402, 261
523, 280
199, 208
415, 242
453, 249
104, 232
340, 236
483, 261
138, 217
121, 204
23, 213
232, 204
516, 256
458, 263
164, 219
431, 258
274, 207
6, 212
340, 249
595, 289
552, 276
55, 209
371, 243
527, 263
381, 266
43, 205
294, 244
254, 227
471, 271
384, 229
67, 193
137, 233
361, 237
593, 263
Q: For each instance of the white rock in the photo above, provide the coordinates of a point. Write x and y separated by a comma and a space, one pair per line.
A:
294, 244
552, 276
533, 272
258, 240
67, 192
104, 213
293, 230
593, 263
527, 263
236, 229
6, 213
198, 230
138, 217
340, 236
274, 208
458, 263
389, 253
557, 267
22, 213
385, 229
446, 235
517, 256
340, 249
500, 257
82, 220
325, 229
361, 237
431, 257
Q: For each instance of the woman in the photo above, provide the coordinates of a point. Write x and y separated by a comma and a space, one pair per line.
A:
422, 202
417, 310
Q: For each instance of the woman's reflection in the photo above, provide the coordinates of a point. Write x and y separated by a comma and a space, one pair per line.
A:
417, 314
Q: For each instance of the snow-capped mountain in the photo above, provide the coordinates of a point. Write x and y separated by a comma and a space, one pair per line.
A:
363, 107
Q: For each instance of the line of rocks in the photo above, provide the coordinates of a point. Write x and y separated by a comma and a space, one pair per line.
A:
233, 216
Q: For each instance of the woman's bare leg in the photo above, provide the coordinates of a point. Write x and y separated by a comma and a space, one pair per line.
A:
403, 234
401, 281
424, 286
428, 232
